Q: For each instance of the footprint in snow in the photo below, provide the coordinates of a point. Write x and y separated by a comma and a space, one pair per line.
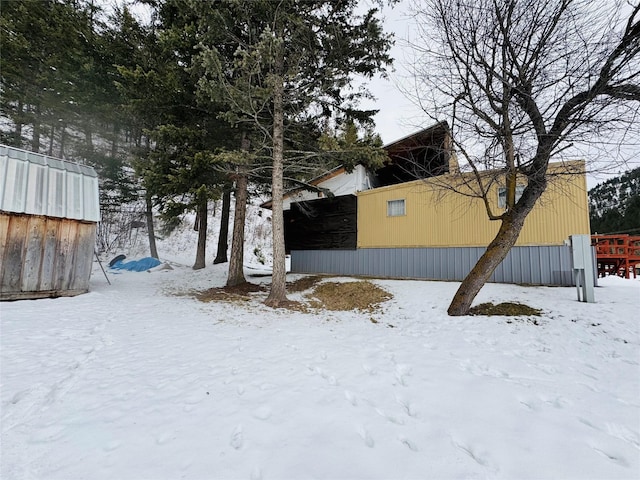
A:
614, 457
623, 433
351, 398
403, 371
389, 416
262, 413
409, 443
471, 452
237, 438
368, 369
366, 437
406, 406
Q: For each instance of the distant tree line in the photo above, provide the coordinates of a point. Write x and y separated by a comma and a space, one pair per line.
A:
614, 205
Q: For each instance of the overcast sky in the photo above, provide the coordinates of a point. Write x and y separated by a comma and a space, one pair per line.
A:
398, 116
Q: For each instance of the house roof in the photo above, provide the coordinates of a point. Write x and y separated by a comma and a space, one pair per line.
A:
334, 172
37, 184
418, 137
405, 143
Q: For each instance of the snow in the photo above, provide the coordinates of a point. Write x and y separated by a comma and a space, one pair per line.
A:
139, 380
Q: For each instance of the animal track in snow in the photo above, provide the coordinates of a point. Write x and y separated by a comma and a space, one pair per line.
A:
409, 443
403, 371
237, 438
623, 433
479, 457
369, 369
351, 398
615, 458
262, 413
407, 406
366, 437
389, 416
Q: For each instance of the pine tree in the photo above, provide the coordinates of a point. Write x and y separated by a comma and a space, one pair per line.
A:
293, 64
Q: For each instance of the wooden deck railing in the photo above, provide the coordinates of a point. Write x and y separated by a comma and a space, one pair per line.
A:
617, 254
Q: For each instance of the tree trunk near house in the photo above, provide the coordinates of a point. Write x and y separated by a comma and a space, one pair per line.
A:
278, 291
497, 250
150, 229
236, 262
18, 122
63, 140
202, 233
223, 238
51, 138
35, 139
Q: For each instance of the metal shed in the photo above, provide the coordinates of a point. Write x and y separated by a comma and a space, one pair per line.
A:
49, 210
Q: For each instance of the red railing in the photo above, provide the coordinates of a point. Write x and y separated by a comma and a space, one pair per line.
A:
617, 254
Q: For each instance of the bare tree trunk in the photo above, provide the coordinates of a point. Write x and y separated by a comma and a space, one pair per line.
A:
35, 139
150, 230
278, 292
63, 139
18, 121
236, 262
223, 238
497, 250
202, 233
51, 137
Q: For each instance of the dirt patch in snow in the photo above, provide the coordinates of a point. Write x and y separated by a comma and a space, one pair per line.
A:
509, 309
337, 296
240, 292
304, 283
344, 296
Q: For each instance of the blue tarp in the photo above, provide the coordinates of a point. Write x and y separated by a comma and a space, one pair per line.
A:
137, 265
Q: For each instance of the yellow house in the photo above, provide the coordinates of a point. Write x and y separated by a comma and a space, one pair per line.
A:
429, 213
433, 228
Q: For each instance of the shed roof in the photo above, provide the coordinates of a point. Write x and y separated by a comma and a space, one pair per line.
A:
36, 184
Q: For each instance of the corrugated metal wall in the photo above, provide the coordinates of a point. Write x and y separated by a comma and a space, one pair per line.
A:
537, 265
438, 217
39, 185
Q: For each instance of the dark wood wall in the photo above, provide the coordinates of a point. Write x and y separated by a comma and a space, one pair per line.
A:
323, 224
44, 256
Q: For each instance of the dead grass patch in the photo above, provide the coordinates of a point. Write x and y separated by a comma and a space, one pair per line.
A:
240, 292
337, 296
344, 296
510, 309
302, 284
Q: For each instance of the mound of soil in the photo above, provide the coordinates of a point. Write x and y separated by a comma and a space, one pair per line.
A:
360, 295
506, 309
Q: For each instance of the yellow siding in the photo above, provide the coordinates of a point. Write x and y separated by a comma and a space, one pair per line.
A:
437, 217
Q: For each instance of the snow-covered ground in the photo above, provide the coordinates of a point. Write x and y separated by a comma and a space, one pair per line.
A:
138, 380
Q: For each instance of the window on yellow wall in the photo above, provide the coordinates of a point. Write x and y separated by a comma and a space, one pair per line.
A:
395, 208
502, 195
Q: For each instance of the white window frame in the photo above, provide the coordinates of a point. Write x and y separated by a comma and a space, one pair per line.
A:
396, 207
502, 195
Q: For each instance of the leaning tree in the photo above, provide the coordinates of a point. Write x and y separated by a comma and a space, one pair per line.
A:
522, 81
